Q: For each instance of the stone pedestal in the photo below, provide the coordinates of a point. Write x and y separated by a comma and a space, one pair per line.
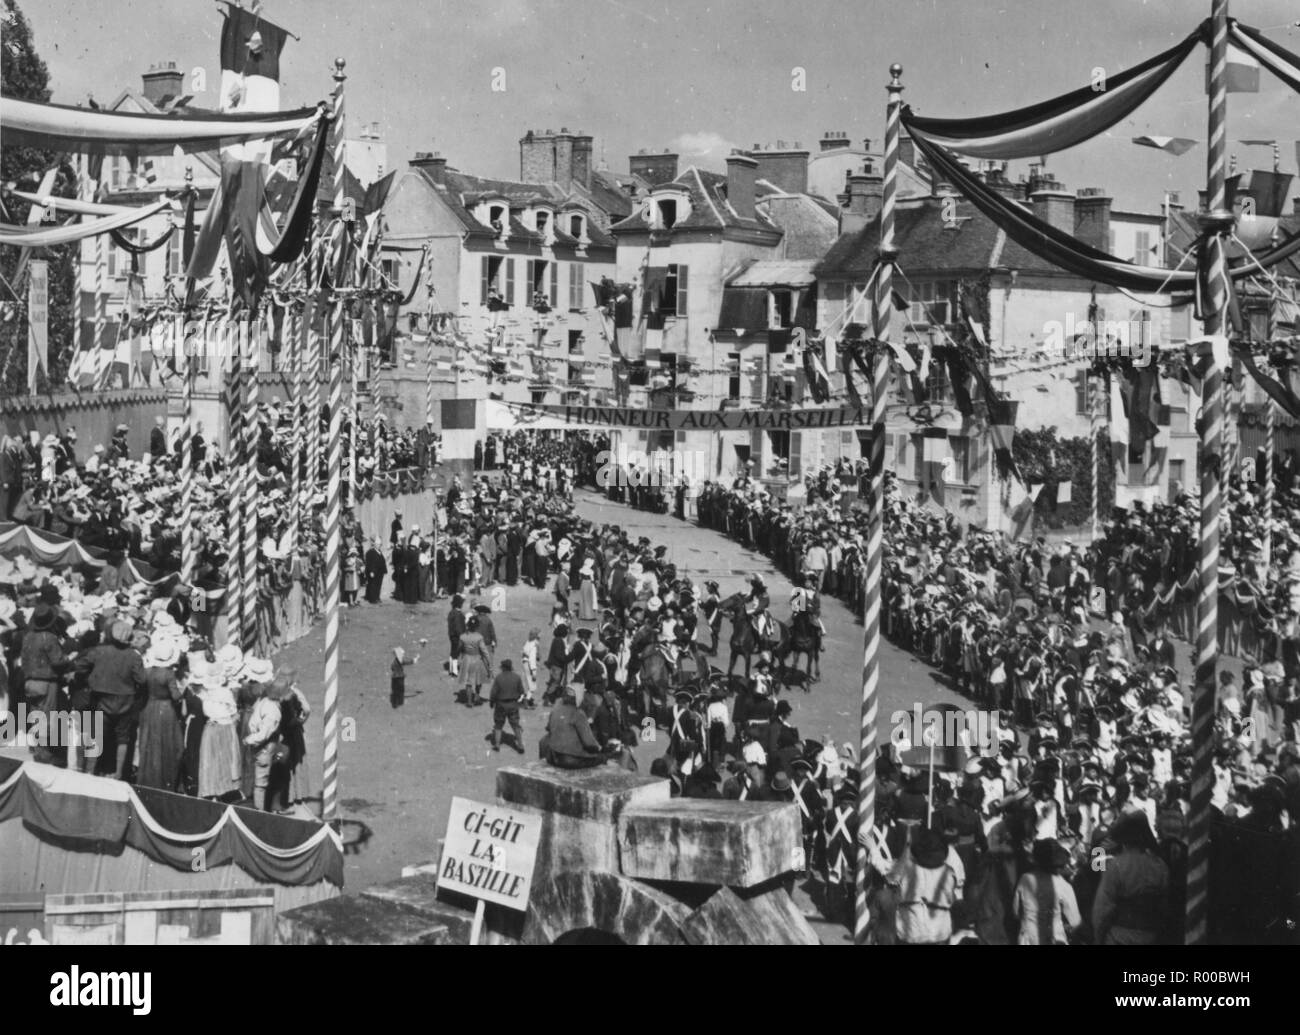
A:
735, 843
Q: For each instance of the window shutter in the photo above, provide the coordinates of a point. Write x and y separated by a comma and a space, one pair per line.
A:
555, 285
530, 284
681, 291
486, 277
510, 281
796, 450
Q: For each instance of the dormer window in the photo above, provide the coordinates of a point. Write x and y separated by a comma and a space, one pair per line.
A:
667, 213
542, 220
578, 226
498, 217
665, 210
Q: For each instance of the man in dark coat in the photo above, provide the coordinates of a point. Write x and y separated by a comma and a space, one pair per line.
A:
455, 629
376, 569
569, 742
158, 439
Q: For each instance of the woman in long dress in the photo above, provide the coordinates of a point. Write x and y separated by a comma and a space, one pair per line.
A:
411, 574
474, 670
161, 735
426, 572
587, 591
220, 757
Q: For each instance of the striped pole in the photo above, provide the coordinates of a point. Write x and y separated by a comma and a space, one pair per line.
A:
333, 503
882, 309
1094, 409
101, 301
248, 334
236, 472
295, 454
1217, 221
189, 541
1265, 475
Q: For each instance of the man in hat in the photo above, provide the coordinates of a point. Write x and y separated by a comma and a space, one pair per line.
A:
685, 735
114, 673
486, 628
505, 696
569, 742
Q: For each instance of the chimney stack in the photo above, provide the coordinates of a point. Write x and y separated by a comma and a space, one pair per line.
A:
1055, 207
742, 171
860, 203
162, 83
1092, 218
434, 163
786, 169
653, 168
834, 140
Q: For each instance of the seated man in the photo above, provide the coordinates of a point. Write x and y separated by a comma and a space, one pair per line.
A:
569, 742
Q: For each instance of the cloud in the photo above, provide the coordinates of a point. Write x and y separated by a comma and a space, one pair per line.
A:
706, 144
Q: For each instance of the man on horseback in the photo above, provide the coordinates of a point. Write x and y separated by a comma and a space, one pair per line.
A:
805, 600
757, 608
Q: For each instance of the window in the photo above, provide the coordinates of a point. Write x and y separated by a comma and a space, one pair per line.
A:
733, 376
938, 389
782, 312
542, 220
962, 447
933, 303
174, 255
490, 278
543, 282
672, 299
778, 445
1142, 246
667, 213
900, 451
577, 227
388, 267
577, 278
855, 295
575, 342
498, 217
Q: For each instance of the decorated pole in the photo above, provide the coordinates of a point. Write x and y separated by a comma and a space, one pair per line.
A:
333, 503
249, 335
1265, 476
881, 308
182, 352
1094, 435
295, 462
1217, 221
234, 509
313, 368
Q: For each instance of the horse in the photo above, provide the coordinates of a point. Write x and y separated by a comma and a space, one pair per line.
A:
744, 639
804, 638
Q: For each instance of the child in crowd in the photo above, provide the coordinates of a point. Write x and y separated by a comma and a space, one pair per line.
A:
531, 648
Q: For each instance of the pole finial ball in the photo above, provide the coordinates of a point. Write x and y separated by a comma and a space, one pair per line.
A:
339, 65
895, 71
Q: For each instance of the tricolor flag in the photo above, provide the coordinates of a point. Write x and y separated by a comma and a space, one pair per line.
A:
1174, 145
250, 72
1002, 427
1118, 427
935, 452
1242, 74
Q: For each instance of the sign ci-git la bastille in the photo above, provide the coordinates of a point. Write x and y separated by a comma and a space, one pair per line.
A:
489, 852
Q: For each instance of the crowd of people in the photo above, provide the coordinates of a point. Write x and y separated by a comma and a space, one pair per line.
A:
1071, 649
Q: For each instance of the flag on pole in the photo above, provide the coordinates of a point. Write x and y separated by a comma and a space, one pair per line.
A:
250, 72
38, 308
1242, 74
1118, 426
1174, 145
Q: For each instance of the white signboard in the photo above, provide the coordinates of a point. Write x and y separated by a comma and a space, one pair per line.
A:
489, 853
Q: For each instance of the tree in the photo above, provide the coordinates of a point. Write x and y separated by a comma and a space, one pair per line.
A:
23, 75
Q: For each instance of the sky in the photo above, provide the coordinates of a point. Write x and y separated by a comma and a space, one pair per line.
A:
698, 77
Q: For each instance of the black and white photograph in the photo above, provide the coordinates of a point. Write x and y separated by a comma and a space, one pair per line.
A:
507, 474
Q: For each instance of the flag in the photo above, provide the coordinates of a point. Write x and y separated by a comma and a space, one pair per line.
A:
1064, 492
1242, 72
1118, 427
1002, 428
38, 311
1022, 513
815, 372
934, 453
1174, 145
250, 72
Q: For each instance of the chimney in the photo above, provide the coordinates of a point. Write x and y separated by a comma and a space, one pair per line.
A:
834, 140
434, 163
1055, 207
742, 171
861, 200
653, 168
1092, 218
162, 83
787, 170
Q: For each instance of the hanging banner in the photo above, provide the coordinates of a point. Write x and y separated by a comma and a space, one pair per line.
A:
38, 312
691, 420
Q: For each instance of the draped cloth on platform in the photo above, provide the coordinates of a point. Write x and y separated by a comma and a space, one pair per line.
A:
107, 815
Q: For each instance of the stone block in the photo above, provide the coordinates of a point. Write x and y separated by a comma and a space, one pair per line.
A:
419, 896
736, 843
570, 906
579, 810
348, 920
766, 916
